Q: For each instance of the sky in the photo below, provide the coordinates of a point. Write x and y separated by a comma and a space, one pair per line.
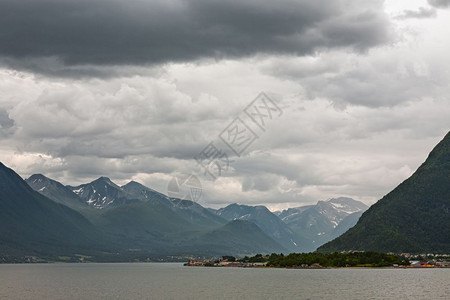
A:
356, 93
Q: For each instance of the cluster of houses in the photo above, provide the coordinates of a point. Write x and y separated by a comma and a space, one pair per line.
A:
429, 264
224, 261
428, 260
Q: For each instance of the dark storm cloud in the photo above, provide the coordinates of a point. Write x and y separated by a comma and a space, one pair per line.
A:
439, 3
115, 32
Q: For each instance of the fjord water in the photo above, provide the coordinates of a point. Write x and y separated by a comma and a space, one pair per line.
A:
173, 281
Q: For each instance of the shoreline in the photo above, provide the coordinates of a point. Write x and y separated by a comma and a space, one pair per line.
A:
322, 268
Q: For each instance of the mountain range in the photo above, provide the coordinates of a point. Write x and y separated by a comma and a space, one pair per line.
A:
100, 219
414, 217
107, 222
128, 224
290, 231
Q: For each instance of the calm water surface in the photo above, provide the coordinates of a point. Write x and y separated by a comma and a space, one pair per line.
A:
173, 281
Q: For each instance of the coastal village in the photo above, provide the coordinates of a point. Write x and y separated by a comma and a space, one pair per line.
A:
225, 261
428, 260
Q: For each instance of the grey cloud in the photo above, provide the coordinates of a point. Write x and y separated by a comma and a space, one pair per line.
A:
421, 13
6, 124
5, 121
81, 169
260, 182
439, 3
115, 32
119, 169
299, 169
118, 118
375, 81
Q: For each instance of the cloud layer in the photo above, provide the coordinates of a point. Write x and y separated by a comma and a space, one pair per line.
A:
134, 90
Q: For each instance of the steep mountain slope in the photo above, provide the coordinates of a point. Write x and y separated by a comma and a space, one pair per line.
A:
347, 223
317, 224
197, 214
414, 217
30, 223
55, 191
238, 237
269, 223
148, 226
144, 193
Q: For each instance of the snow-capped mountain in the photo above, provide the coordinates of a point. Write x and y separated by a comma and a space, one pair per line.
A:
100, 193
318, 224
335, 210
103, 193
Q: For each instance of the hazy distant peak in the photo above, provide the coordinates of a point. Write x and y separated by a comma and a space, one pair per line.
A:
37, 178
103, 179
132, 182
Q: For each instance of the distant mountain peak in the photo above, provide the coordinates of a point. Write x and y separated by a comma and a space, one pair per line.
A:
104, 179
37, 178
319, 223
54, 190
133, 182
38, 175
101, 193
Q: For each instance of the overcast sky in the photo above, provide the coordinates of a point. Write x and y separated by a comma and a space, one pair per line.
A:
135, 89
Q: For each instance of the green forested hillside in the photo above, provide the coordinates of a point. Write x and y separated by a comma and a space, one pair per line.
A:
414, 217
